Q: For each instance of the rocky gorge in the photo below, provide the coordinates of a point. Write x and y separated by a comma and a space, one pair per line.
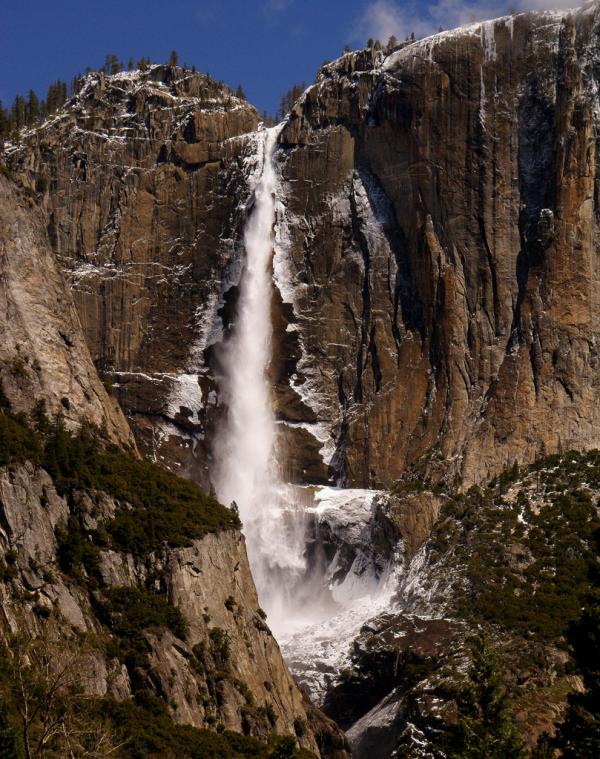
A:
434, 338
219, 663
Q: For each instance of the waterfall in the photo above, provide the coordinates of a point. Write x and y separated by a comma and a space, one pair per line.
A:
246, 468
299, 587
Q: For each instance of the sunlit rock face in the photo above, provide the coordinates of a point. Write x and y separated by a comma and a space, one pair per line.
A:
433, 312
141, 176
434, 250
43, 351
442, 226
44, 360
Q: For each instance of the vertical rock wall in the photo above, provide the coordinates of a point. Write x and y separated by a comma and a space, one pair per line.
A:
443, 243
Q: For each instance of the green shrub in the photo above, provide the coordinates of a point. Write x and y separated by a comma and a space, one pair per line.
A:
19, 368
147, 731
7, 571
230, 603
220, 645
18, 443
41, 184
5, 171
299, 727
167, 509
130, 611
477, 531
245, 691
76, 549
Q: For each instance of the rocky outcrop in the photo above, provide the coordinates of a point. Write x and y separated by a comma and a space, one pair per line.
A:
43, 352
435, 317
442, 225
227, 669
218, 666
481, 568
434, 255
400, 690
140, 178
435, 252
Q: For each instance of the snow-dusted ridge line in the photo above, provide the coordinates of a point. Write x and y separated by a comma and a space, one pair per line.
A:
133, 83
485, 30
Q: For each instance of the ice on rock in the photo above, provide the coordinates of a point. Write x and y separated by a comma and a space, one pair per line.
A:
482, 98
185, 393
488, 40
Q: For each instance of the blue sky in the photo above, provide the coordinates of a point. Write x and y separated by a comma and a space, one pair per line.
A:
266, 45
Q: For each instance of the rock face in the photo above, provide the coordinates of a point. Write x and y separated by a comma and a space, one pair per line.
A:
436, 312
435, 254
480, 569
442, 224
140, 178
225, 668
235, 676
43, 352
399, 689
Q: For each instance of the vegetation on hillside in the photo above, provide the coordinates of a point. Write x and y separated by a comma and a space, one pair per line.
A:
46, 712
289, 98
30, 109
147, 731
521, 550
155, 506
578, 736
520, 559
486, 725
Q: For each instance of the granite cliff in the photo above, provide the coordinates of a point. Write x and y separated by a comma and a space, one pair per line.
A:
70, 575
141, 214
435, 256
435, 322
442, 219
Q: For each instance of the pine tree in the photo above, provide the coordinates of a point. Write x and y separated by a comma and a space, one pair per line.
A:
239, 92
486, 727
173, 58
112, 64
4, 122
8, 736
392, 42
75, 85
19, 112
289, 98
544, 748
51, 99
579, 735
56, 97
33, 108
285, 749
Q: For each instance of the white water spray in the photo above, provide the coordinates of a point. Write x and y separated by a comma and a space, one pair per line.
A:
246, 447
247, 470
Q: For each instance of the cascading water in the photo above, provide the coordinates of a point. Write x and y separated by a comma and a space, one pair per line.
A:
246, 447
299, 600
